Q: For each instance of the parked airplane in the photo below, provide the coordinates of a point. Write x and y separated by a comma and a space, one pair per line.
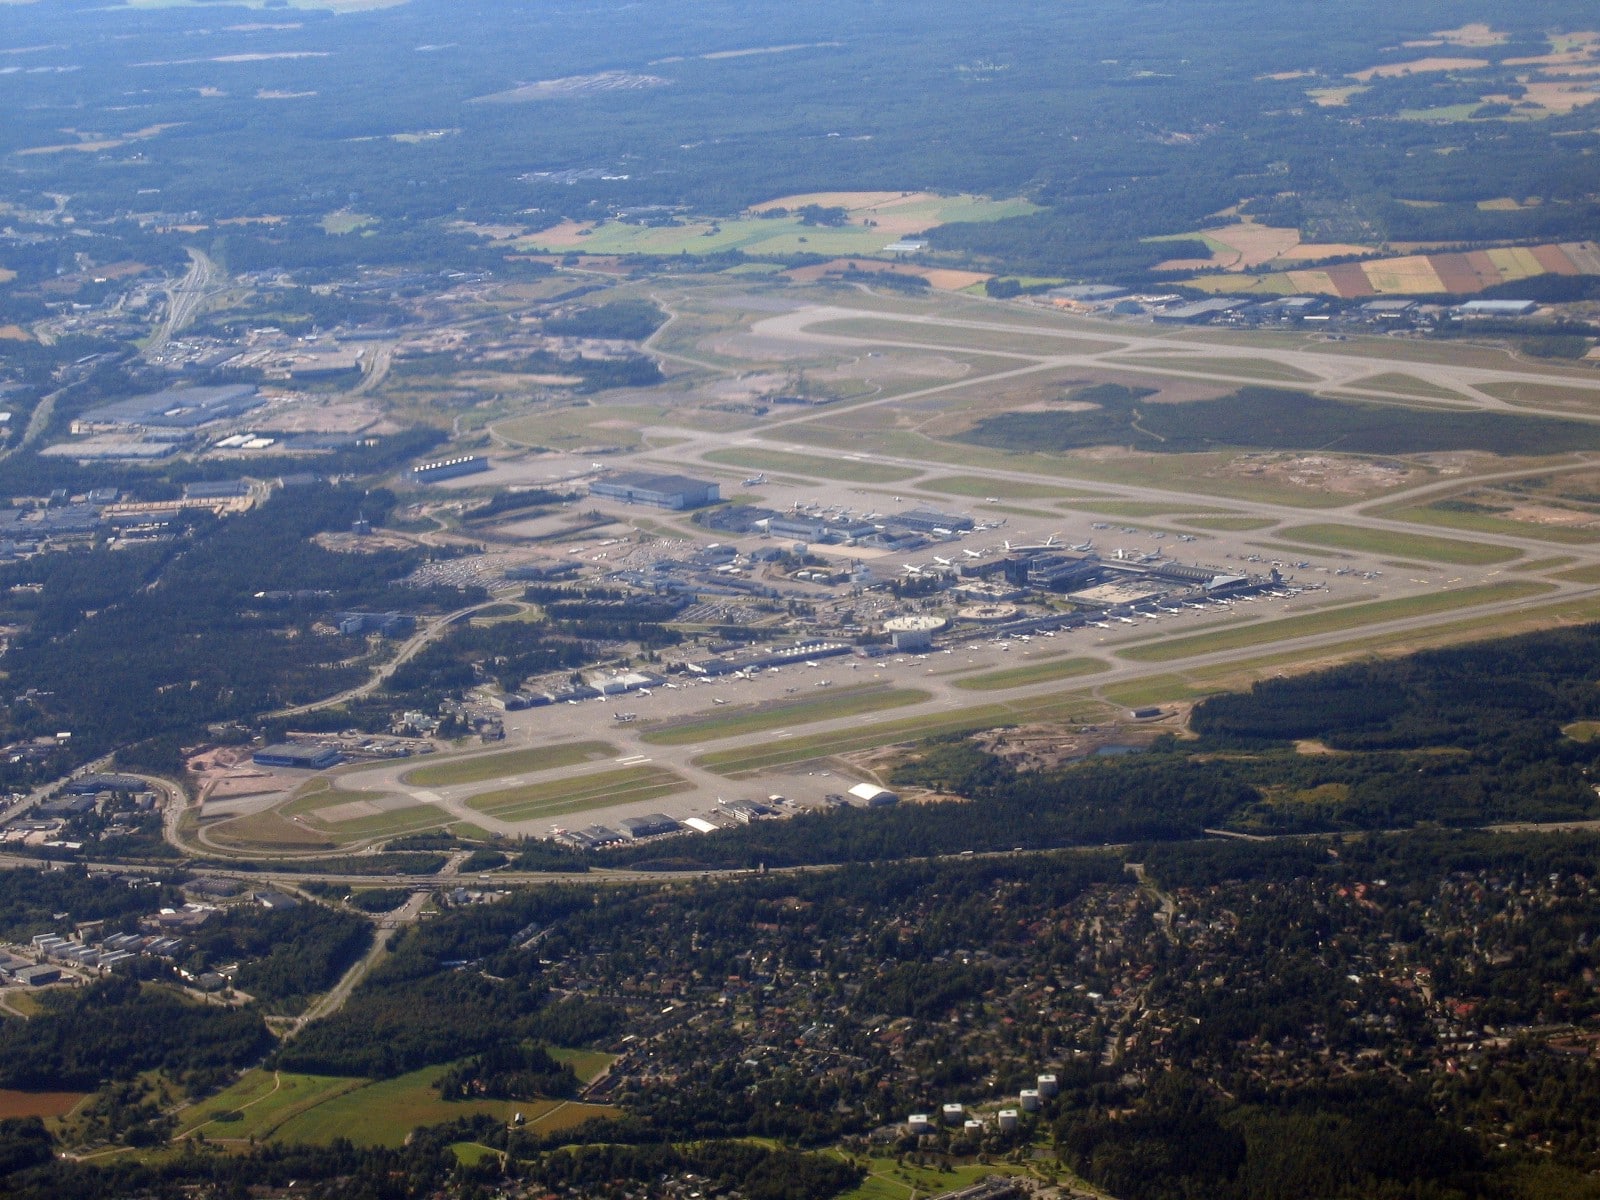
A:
624, 717
715, 700
755, 480
1083, 548
943, 562
972, 554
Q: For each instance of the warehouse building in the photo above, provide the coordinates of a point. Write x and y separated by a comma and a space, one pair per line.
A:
676, 492
651, 825
449, 468
874, 796
288, 754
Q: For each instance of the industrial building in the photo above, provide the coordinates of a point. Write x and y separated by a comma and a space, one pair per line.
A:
449, 468
172, 408
651, 825
387, 624
874, 796
288, 754
676, 492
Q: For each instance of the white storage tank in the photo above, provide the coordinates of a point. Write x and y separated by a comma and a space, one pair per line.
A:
1029, 1099
1007, 1120
919, 1123
953, 1113
1048, 1085
973, 1127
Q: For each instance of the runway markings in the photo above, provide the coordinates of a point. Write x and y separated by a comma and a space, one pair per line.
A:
633, 760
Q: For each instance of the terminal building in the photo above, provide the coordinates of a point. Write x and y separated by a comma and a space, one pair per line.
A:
676, 492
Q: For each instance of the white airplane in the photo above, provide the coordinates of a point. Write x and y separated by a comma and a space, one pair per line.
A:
911, 569
943, 562
1099, 624
1008, 543
755, 480
1127, 620
972, 554
624, 717
644, 691
1084, 547
715, 700
1050, 541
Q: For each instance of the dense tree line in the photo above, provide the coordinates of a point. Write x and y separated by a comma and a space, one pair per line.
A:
116, 1028
32, 901
88, 662
509, 1072
288, 955
623, 320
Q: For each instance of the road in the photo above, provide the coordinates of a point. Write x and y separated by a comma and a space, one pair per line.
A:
430, 631
184, 298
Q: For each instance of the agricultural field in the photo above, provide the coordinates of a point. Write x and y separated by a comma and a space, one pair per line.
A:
777, 228
283, 1107
1463, 274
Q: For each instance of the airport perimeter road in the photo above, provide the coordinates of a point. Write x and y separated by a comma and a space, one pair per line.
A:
430, 631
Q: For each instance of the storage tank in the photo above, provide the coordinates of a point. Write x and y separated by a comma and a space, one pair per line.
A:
973, 1127
1029, 1099
1007, 1120
953, 1113
919, 1123
1048, 1085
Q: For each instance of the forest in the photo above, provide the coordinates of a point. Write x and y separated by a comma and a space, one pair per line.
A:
1466, 736
1270, 419
1143, 122
86, 661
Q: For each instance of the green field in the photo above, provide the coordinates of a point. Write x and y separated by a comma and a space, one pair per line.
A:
265, 1100
845, 702
1406, 385
785, 236
816, 468
383, 1113
1488, 522
1332, 620
1156, 689
1229, 524
783, 751
888, 1179
1005, 489
587, 1065
480, 767
1224, 365
562, 797
1398, 545
995, 340
1044, 672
